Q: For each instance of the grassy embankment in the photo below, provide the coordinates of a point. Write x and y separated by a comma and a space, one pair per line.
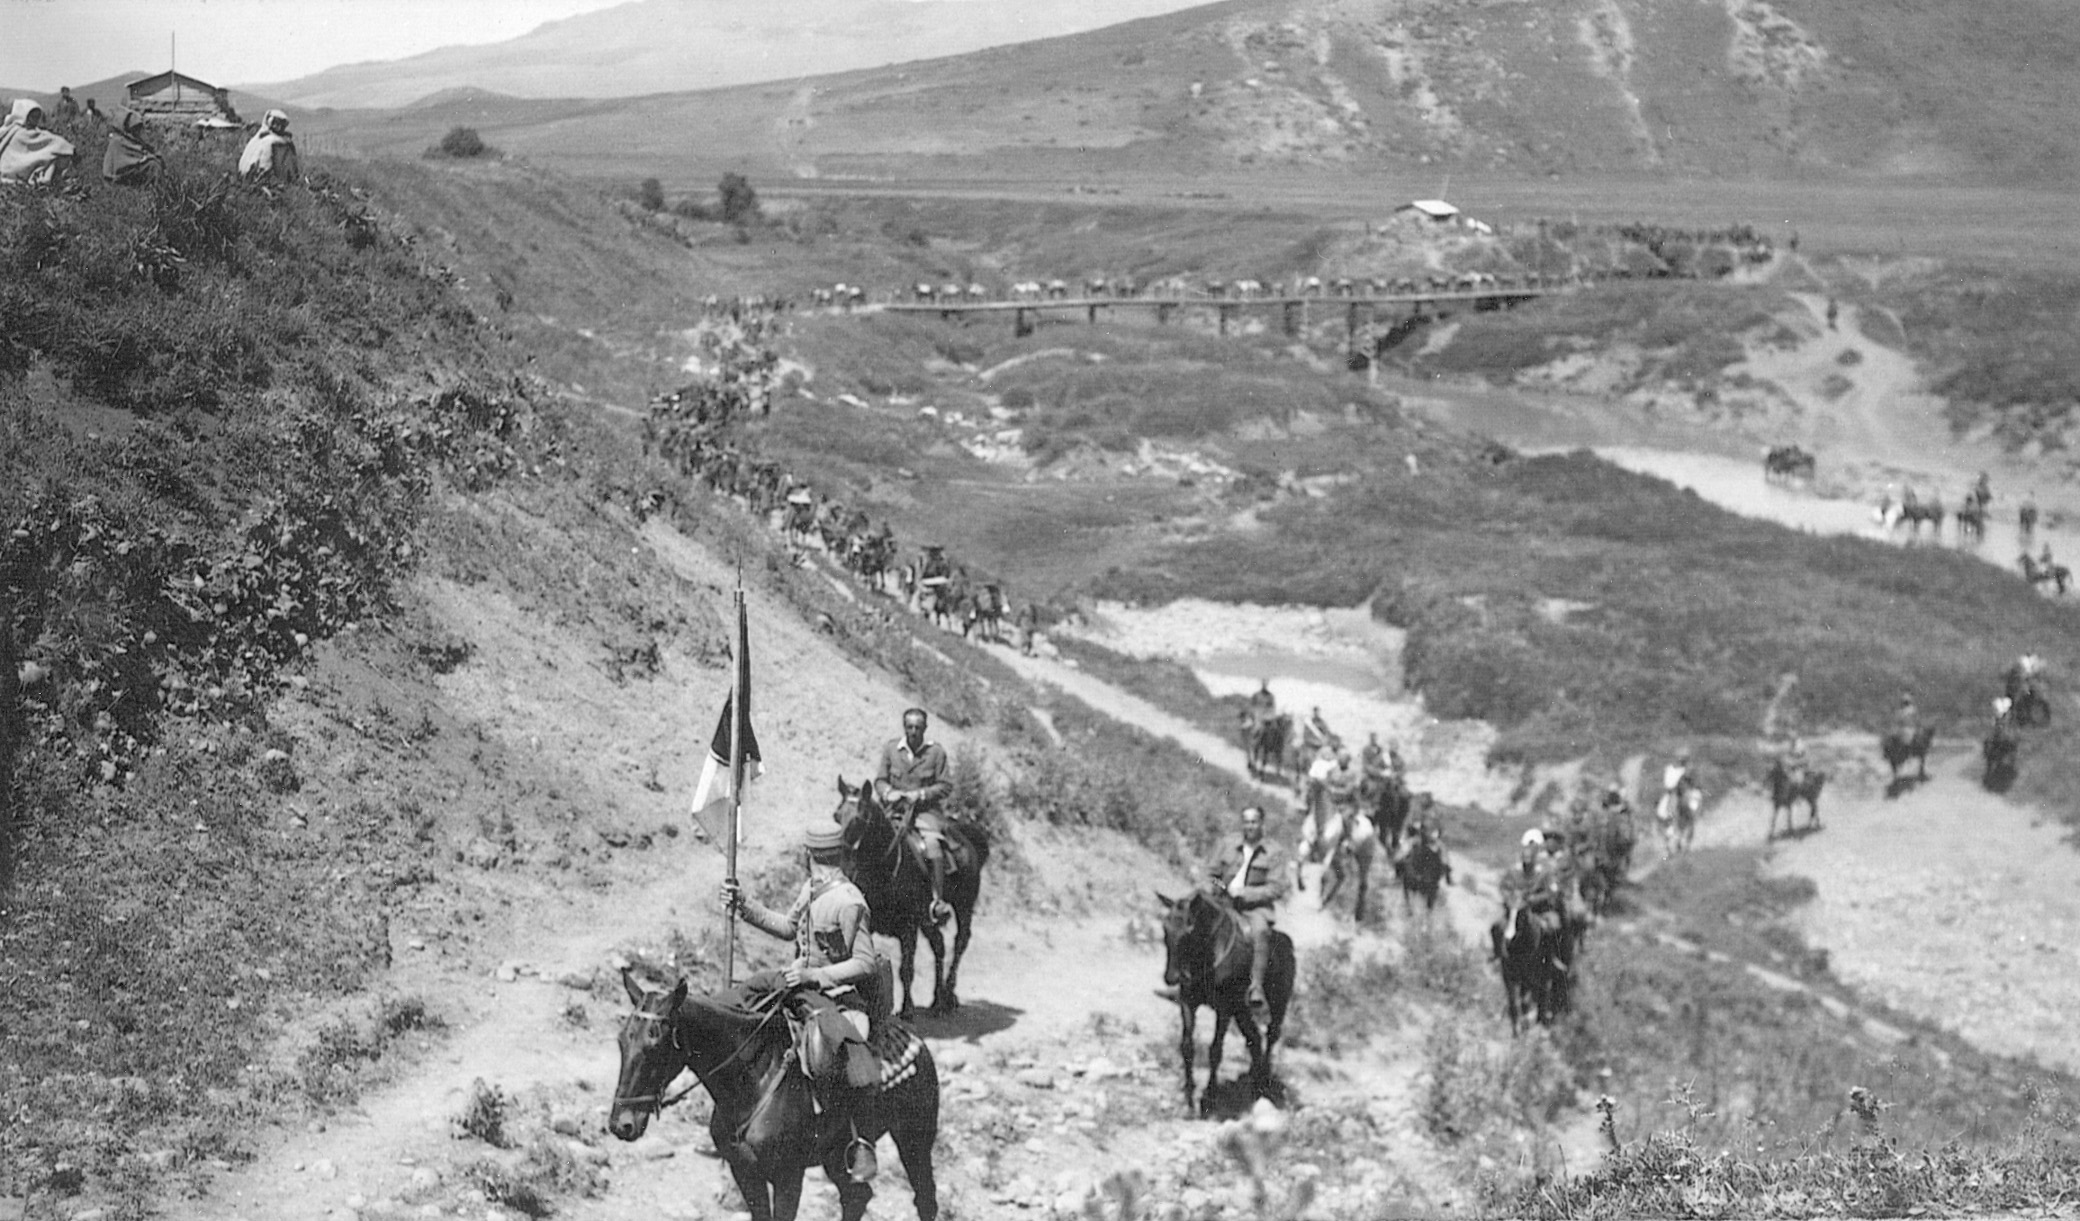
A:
224, 411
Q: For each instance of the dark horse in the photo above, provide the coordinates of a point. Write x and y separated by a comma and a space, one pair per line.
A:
1206, 958
1264, 741
765, 1123
1899, 748
1421, 871
1533, 961
2001, 748
1784, 793
892, 875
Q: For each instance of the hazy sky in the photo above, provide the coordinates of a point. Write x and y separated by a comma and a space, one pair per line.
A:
48, 43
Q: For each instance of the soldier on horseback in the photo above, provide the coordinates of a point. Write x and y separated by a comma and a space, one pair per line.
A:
1262, 704
913, 777
1381, 761
1534, 886
1251, 871
1797, 763
834, 958
1906, 719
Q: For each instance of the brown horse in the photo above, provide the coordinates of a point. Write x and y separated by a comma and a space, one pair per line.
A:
766, 1124
893, 876
1784, 793
1531, 957
1899, 748
1206, 958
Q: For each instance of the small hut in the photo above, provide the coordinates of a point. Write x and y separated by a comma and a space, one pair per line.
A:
177, 98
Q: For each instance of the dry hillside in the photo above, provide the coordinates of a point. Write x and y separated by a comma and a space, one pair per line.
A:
1743, 89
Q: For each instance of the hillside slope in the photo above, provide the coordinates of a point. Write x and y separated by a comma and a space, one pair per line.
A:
664, 46
1744, 89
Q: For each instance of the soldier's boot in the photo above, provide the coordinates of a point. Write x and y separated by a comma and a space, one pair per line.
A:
935, 862
1259, 954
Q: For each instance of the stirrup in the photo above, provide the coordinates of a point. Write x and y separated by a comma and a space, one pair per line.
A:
860, 1162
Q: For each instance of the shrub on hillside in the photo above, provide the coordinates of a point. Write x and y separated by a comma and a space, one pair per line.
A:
461, 143
737, 201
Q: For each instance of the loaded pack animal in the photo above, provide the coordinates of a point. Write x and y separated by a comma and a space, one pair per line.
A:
1206, 957
1785, 792
1606, 857
1899, 748
766, 1124
892, 874
984, 615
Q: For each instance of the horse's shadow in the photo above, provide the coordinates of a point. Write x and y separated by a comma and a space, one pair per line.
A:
972, 1021
1234, 1097
1799, 833
1901, 785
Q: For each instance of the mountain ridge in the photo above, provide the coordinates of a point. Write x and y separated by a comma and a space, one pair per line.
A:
1733, 89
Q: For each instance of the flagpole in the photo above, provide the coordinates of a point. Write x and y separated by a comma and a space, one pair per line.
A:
740, 696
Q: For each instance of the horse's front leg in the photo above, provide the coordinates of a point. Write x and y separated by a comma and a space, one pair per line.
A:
787, 1193
852, 1197
951, 994
937, 941
1213, 1059
757, 1193
1188, 1022
906, 970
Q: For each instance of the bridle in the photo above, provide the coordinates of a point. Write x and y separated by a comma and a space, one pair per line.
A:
657, 1102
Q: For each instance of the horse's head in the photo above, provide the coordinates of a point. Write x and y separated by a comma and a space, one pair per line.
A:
859, 814
1186, 923
652, 1054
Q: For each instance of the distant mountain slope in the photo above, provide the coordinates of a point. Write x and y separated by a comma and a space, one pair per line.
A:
1699, 89
662, 46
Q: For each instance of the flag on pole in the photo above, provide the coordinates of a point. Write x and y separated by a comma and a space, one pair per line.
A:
733, 758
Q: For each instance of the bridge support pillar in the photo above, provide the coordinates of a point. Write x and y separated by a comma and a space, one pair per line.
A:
1163, 314
1296, 316
1091, 312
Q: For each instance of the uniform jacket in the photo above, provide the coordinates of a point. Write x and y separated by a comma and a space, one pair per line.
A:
1268, 871
922, 775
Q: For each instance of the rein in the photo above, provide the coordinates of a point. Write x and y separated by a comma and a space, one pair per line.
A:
659, 1101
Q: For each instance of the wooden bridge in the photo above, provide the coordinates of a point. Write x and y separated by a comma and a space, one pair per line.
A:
1294, 309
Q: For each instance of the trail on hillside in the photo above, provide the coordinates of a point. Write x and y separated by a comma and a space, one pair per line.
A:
1947, 902
1061, 1025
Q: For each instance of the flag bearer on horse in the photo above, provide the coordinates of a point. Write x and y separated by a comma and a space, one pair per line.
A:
1251, 871
829, 986
914, 784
